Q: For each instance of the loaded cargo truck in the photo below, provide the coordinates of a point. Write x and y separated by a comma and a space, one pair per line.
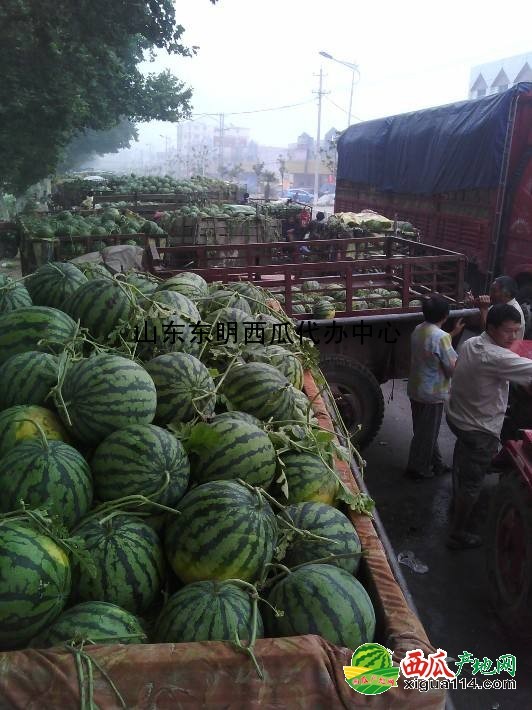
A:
462, 173
374, 284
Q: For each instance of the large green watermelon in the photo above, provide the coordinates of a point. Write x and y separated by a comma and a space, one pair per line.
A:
144, 286
229, 449
326, 522
309, 478
13, 295
223, 299
128, 559
22, 422
224, 531
54, 283
207, 611
92, 622
185, 389
325, 600
178, 304
102, 306
286, 362
46, 474
104, 393
27, 378
261, 390
34, 582
188, 283
141, 459
34, 328
254, 295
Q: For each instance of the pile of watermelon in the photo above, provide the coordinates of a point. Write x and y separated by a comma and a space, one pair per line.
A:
102, 224
159, 490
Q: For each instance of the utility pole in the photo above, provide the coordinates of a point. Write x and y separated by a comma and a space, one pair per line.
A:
221, 154
318, 141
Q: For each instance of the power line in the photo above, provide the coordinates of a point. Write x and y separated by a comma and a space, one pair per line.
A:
342, 109
259, 110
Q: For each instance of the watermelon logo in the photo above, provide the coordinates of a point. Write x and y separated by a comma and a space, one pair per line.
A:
371, 671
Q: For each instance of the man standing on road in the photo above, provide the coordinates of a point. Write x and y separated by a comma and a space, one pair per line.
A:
476, 409
502, 290
432, 362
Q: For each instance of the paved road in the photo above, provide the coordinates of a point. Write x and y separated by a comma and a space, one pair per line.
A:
451, 597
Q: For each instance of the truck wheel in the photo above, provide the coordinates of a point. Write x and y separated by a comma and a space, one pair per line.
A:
358, 397
510, 554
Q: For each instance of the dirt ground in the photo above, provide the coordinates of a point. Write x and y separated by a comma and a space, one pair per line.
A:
451, 597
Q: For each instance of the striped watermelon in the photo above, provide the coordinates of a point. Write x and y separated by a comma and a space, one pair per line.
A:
19, 423
238, 417
323, 309
371, 655
104, 393
207, 611
101, 306
34, 582
311, 286
231, 325
93, 270
170, 333
54, 283
309, 479
188, 283
178, 303
129, 563
223, 299
141, 459
185, 388
324, 600
224, 531
13, 295
34, 328
92, 622
286, 362
261, 390
46, 474
254, 295
144, 285
328, 522
27, 378
228, 449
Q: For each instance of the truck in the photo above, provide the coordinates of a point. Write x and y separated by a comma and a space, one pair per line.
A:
462, 173
375, 283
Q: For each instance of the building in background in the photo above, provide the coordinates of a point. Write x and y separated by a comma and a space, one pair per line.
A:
495, 77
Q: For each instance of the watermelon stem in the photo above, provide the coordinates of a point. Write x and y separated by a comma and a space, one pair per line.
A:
81, 658
40, 431
105, 512
330, 558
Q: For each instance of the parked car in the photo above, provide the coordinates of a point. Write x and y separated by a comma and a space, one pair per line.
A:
298, 194
325, 204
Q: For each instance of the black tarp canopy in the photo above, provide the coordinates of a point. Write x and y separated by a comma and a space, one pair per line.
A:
459, 146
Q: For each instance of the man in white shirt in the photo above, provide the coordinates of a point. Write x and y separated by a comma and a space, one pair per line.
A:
476, 409
503, 290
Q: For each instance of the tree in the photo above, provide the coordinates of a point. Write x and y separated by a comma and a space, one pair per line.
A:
258, 169
329, 154
72, 66
268, 177
235, 171
90, 143
281, 161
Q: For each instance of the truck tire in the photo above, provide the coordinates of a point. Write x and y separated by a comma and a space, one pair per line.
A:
509, 552
358, 397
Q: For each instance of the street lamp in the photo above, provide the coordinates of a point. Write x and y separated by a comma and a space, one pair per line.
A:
354, 68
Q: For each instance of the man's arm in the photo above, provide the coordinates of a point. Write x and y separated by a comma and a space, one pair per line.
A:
515, 368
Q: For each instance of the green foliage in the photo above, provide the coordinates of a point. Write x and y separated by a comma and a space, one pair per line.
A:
91, 142
69, 67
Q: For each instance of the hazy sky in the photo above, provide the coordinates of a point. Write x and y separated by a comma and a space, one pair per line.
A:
260, 54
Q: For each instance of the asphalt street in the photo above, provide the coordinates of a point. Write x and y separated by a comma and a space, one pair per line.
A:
451, 597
